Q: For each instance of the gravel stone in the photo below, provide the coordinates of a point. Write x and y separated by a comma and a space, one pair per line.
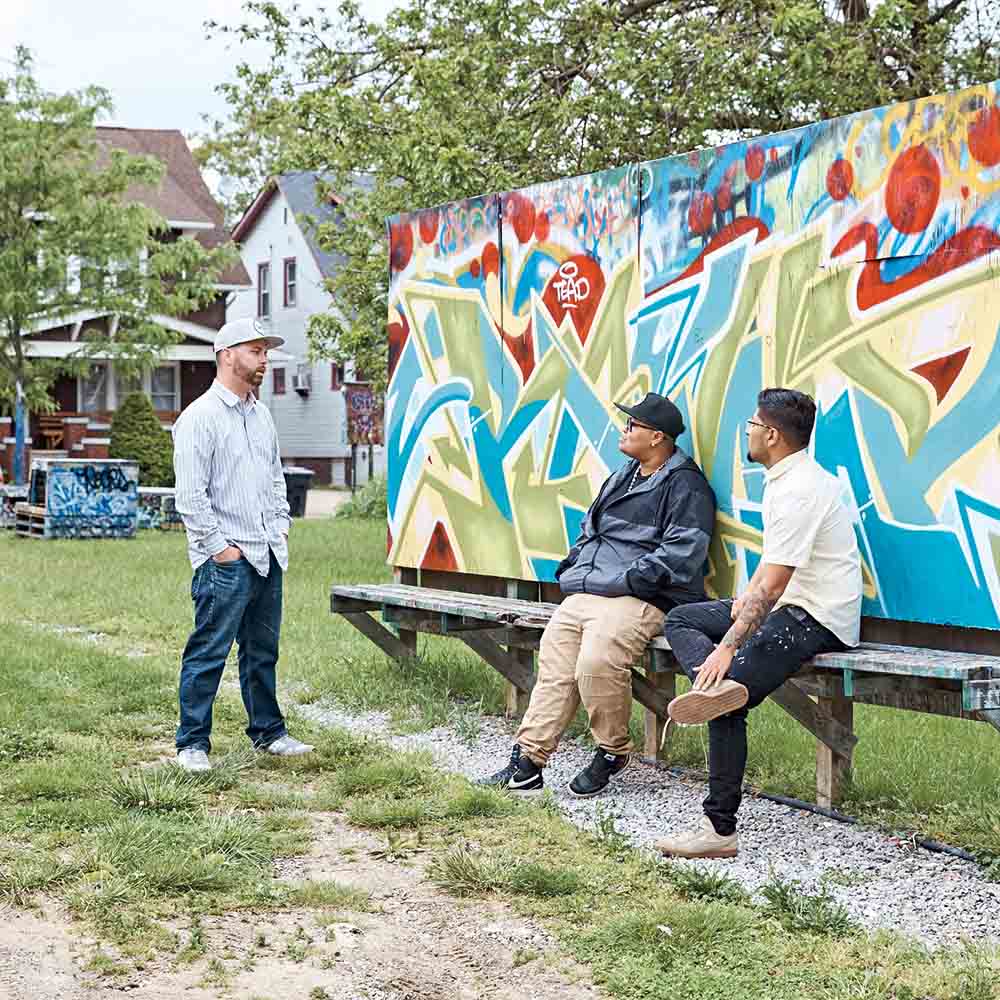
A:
934, 898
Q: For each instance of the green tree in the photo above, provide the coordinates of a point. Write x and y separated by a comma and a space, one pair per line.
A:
453, 98
73, 243
136, 433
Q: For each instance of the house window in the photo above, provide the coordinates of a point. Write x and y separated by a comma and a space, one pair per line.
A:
289, 281
94, 389
163, 386
278, 381
124, 385
263, 289
336, 376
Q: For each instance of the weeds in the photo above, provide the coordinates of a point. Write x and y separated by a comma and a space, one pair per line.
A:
705, 883
464, 872
796, 910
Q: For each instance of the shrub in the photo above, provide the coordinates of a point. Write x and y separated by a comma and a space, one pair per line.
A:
372, 500
137, 434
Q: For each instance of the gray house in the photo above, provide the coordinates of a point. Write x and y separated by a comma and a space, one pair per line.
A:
287, 271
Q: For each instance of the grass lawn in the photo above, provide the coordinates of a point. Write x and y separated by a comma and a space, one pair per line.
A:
940, 777
90, 816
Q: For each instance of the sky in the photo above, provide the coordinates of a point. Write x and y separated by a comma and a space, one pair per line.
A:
154, 58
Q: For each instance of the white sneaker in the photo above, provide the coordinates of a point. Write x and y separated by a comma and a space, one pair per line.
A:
288, 746
701, 843
193, 759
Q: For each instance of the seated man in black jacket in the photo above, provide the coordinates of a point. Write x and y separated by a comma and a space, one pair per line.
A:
640, 553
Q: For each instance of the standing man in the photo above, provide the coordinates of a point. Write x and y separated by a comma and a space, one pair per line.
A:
803, 599
641, 551
231, 495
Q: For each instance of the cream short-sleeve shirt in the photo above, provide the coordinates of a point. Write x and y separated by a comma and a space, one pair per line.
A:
807, 526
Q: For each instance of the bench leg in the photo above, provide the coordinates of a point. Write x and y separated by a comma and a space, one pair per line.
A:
409, 577
516, 700
833, 769
654, 727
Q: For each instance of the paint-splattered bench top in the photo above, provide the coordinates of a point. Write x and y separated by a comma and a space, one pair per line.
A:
868, 658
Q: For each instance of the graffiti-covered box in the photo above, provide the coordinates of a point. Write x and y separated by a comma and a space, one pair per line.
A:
81, 498
856, 259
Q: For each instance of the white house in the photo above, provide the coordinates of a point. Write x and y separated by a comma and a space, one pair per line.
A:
287, 269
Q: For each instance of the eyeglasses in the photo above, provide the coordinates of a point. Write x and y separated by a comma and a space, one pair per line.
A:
630, 423
757, 423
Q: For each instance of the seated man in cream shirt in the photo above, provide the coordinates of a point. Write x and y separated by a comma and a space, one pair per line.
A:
803, 599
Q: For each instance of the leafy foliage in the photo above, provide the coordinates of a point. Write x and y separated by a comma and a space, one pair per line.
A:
455, 98
72, 243
137, 433
370, 501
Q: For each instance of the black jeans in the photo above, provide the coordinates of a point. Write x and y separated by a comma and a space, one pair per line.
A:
775, 652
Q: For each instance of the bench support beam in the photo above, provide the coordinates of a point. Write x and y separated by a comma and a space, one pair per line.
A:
816, 719
833, 770
517, 698
505, 662
402, 652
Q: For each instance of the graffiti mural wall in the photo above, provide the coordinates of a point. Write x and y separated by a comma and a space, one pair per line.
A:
856, 259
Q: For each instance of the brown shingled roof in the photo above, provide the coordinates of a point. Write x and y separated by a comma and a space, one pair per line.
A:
182, 195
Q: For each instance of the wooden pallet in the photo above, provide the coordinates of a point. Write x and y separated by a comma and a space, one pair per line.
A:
29, 520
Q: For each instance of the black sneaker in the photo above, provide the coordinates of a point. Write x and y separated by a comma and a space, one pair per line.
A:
522, 775
594, 778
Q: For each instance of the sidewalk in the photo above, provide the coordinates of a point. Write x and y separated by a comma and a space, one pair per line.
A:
324, 503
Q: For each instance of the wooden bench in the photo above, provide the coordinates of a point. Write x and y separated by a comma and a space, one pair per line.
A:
505, 632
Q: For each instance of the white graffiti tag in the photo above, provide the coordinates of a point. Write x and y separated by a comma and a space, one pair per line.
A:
570, 289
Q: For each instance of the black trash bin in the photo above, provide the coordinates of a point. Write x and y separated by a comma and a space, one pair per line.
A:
297, 480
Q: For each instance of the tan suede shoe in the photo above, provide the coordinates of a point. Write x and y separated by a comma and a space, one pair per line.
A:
701, 843
695, 707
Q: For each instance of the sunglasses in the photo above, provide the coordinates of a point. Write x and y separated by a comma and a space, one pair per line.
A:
630, 423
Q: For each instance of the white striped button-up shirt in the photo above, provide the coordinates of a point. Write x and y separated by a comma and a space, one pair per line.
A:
230, 487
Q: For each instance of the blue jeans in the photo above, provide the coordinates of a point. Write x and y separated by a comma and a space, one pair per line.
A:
232, 602
776, 651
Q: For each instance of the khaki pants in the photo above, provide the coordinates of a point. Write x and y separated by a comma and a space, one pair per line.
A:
586, 654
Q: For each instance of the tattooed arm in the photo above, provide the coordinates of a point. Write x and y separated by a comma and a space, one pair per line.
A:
767, 586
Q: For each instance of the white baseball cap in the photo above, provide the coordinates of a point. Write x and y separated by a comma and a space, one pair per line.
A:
240, 331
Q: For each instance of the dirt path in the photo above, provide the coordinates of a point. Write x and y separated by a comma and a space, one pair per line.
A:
417, 944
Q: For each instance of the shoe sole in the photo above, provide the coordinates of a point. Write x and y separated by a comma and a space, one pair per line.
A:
523, 792
727, 852
697, 707
600, 791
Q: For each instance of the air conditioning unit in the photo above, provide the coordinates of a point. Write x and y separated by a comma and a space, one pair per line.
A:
302, 380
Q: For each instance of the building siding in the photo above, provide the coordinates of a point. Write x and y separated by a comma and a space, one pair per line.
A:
313, 426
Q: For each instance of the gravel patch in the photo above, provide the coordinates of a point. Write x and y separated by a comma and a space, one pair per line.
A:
882, 881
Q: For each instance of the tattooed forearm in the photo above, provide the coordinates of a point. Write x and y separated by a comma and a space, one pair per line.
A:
756, 607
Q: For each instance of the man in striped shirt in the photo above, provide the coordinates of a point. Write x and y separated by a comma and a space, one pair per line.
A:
231, 496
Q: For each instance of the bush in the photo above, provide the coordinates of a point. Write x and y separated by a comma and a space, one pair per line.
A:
137, 434
372, 500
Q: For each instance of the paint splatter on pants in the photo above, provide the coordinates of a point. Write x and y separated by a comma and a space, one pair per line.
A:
587, 652
776, 651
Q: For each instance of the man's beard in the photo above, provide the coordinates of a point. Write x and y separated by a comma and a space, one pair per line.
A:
250, 375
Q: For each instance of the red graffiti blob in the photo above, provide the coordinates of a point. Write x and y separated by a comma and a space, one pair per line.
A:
701, 211
428, 225
840, 179
754, 162
400, 244
388, 539
942, 372
744, 224
474, 268
724, 196
439, 554
522, 348
984, 137
913, 189
575, 290
491, 260
962, 248
520, 213
398, 334
542, 227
